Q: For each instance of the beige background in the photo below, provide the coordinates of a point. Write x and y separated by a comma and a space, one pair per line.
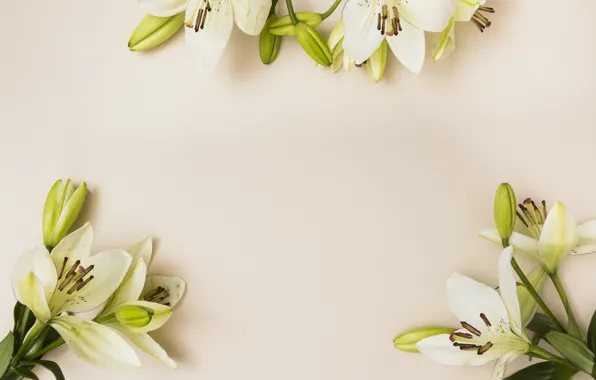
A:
314, 215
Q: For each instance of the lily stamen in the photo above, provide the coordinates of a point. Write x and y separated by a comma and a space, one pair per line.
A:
70, 275
481, 20
532, 216
199, 22
157, 295
471, 328
485, 319
391, 28
485, 348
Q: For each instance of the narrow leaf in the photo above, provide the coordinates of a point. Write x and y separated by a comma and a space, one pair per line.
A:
26, 373
544, 371
50, 366
23, 321
6, 347
592, 333
540, 324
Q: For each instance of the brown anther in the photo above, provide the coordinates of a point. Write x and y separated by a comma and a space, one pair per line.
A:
198, 20
485, 320
208, 7
385, 13
520, 217
466, 347
471, 328
486, 9
484, 348
383, 26
463, 335
544, 209
63, 267
379, 21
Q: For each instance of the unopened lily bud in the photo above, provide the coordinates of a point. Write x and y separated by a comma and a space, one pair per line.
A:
336, 45
284, 26
572, 349
153, 31
407, 341
134, 316
61, 210
313, 44
269, 43
377, 62
505, 211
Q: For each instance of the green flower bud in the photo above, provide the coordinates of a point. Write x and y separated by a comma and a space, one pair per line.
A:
407, 341
61, 210
505, 211
313, 44
134, 316
573, 349
284, 26
153, 31
268, 43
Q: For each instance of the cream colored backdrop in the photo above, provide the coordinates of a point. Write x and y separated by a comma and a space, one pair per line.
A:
314, 215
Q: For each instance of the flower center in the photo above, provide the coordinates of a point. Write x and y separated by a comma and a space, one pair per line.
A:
158, 295
388, 20
481, 20
467, 341
532, 216
197, 23
75, 278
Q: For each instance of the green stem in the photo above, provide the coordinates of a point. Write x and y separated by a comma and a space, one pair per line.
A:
330, 11
535, 295
272, 9
35, 332
50, 347
539, 353
291, 12
572, 325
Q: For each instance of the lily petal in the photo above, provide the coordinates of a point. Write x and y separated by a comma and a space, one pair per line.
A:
440, 349
508, 290
465, 10
523, 244
377, 62
336, 36
559, 235
409, 46
109, 268
468, 299
94, 343
208, 43
360, 26
251, 15
430, 15
501, 364
130, 289
75, 246
36, 261
30, 292
142, 250
151, 347
162, 8
174, 286
527, 303
444, 42
587, 238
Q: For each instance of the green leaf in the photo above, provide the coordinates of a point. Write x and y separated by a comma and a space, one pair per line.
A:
23, 321
26, 373
544, 371
6, 347
592, 333
50, 366
540, 324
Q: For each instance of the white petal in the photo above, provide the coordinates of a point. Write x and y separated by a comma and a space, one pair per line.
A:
430, 15
151, 347
559, 235
465, 10
587, 238
409, 46
109, 268
508, 290
160, 315
523, 244
130, 289
501, 364
142, 250
377, 62
208, 44
527, 303
30, 292
360, 26
162, 8
337, 35
251, 15
175, 286
440, 349
94, 343
444, 42
75, 246
468, 299
36, 261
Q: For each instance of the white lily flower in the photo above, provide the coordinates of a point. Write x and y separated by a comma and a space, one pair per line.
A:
142, 304
400, 22
551, 236
467, 10
209, 23
70, 280
492, 327
375, 64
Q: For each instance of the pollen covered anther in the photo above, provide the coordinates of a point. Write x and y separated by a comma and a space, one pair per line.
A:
388, 21
485, 320
471, 328
485, 348
199, 22
481, 20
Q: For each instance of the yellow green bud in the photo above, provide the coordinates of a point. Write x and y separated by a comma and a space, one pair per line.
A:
134, 316
268, 43
572, 349
313, 44
153, 31
377, 62
505, 211
61, 210
284, 26
407, 341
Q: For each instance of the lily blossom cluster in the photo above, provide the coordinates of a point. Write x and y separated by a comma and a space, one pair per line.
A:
367, 30
503, 323
99, 305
